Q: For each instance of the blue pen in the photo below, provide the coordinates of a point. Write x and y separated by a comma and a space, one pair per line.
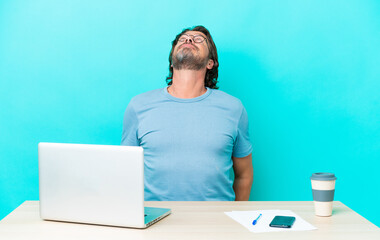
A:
256, 220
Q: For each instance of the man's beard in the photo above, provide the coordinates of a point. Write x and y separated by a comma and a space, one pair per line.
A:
185, 59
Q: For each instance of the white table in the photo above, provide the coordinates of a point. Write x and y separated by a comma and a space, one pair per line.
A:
193, 220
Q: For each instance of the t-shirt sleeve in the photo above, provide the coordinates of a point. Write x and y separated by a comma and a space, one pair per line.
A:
130, 126
243, 146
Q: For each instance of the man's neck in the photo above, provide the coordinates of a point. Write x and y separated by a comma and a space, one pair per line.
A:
187, 83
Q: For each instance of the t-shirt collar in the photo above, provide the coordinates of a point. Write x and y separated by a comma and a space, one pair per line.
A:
187, 100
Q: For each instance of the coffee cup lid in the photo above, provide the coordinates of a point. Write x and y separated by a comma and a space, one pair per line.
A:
323, 176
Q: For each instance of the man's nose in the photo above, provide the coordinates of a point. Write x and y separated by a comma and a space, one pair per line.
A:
189, 40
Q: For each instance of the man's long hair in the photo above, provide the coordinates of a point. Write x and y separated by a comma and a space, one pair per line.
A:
211, 77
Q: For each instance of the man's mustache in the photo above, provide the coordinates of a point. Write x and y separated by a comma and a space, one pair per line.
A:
188, 43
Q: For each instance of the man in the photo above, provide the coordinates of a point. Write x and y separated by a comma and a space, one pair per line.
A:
192, 134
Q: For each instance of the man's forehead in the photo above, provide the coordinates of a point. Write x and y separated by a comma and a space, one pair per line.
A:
195, 33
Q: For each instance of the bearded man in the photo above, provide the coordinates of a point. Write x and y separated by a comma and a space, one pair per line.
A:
195, 137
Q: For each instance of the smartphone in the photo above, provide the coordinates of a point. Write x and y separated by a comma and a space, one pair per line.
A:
282, 221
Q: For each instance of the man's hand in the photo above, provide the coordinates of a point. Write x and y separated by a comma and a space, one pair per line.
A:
243, 170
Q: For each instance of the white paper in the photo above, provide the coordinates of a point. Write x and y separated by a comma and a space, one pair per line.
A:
246, 218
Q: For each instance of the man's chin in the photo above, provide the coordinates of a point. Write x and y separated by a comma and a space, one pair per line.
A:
185, 59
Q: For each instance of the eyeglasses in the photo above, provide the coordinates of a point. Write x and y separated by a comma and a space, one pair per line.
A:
194, 38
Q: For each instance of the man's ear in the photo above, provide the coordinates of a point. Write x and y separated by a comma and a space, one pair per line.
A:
210, 64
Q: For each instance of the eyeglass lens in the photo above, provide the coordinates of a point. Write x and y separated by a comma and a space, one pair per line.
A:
196, 38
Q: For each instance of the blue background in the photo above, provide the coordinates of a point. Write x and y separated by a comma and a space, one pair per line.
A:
307, 72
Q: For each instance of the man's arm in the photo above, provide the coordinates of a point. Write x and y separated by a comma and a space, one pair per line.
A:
243, 177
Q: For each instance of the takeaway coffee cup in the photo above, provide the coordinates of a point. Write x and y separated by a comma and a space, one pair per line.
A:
323, 186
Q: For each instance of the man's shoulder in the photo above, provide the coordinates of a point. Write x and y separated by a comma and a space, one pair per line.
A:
226, 98
147, 97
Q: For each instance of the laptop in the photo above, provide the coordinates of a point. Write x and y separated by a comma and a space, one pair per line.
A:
94, 184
